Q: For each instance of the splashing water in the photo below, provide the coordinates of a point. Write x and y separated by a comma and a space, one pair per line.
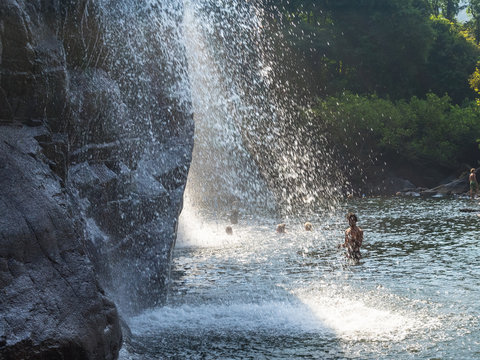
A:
258, 294
251, 152
131, 138
222, 171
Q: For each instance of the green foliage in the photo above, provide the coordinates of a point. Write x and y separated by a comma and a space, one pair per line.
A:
412, 54
474, 82
389, 47
420, 132
434, 7
450, 8
451, 61
473, 9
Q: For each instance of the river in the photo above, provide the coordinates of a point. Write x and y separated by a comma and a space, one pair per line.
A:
262, 295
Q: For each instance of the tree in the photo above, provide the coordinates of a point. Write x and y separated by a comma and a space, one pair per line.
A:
474, 82
382, 45
392, 48
435, 6
451, 61
450, 8
473, 9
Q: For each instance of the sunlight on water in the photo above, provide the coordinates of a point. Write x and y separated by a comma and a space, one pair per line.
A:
274, 317
337, 317
355, 319
194, 231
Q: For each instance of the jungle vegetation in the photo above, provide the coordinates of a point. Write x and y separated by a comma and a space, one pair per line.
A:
390, 81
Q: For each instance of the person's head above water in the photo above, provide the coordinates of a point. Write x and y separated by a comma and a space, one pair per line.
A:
352, 218
281, 228
308, 226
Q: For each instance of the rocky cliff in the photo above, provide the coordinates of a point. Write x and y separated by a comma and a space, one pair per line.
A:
96, 135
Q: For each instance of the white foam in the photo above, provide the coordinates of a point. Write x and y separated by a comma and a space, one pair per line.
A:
339, 317
193, 231
275, 316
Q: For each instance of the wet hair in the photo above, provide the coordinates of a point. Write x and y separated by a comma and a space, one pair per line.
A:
472, 170
352, 215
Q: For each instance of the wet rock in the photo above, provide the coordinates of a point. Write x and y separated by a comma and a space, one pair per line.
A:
458, 186
468, 210
448, 187
94, 155
455, 187
52, 306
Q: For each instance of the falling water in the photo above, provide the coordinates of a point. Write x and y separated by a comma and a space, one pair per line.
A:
132, 138
223, 173
251, 152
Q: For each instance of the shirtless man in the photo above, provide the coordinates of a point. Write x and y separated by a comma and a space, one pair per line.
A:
472, 179
353, 238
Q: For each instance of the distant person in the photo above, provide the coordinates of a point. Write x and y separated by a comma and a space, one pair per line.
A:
229, 230
353, 238
472, 179
234, 216
308, 226
281, 228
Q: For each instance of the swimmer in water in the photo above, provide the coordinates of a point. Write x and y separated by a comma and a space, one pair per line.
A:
353, 238
472, 179
308, 226
281, 228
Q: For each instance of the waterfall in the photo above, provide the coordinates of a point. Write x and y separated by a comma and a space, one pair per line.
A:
251, 153
223, 173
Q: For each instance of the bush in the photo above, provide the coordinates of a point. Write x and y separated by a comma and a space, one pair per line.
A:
424, 133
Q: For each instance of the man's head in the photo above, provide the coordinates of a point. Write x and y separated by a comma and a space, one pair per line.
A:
352, 218
472, 170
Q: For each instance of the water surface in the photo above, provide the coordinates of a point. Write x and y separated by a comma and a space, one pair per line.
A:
262, 295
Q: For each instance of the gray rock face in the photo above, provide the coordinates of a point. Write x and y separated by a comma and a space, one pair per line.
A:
96, 135
51, 305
